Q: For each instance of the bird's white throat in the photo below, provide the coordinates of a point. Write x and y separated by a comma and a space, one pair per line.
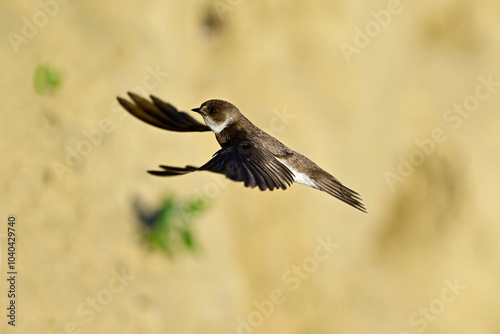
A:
217, 128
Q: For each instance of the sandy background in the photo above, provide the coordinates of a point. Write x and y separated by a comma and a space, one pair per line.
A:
356, 116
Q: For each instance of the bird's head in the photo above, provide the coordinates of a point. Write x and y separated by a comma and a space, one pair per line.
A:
218, 114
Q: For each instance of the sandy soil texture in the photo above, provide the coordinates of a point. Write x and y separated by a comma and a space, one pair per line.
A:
398, 99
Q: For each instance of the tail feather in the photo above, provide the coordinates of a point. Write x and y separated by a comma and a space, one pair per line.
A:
333, 187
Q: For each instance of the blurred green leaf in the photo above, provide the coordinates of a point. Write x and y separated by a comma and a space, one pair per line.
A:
167, 211
159, 239
46, 79
187, 237
196, 205
171, 228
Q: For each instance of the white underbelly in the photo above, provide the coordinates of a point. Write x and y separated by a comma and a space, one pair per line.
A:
299, 177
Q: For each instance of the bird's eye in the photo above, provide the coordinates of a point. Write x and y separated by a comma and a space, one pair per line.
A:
211, 110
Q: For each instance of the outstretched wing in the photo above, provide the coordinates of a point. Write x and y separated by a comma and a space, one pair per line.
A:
246, 162
161, 114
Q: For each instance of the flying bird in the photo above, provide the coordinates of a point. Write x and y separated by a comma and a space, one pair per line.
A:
247, 153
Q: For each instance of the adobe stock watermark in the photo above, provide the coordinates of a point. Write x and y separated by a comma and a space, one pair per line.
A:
94, 137
278, 122
223, 6
364, 36
88, 309
291, 281
31, 26
453, 117
420, 319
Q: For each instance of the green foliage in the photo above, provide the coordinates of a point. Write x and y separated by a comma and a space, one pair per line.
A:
171, 228
46, 79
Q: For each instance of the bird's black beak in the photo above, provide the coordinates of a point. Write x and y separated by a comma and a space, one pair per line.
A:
198, 110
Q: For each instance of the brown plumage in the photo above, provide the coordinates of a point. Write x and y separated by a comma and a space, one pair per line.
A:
247, 153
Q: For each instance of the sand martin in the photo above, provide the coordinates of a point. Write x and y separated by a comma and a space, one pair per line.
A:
248, 154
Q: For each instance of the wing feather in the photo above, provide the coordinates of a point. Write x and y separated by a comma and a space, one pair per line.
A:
161, 114
252, 165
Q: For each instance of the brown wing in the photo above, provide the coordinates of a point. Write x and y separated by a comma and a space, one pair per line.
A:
244, 162
161, 114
